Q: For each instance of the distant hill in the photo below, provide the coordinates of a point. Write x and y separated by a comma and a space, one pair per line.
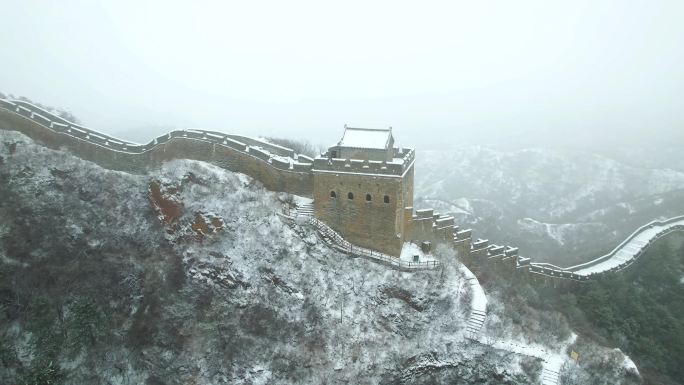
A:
558, 206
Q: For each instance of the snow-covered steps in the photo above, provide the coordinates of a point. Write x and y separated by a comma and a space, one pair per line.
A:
304, 210
300, 207
478, 305
475, 322
336, 241
550, 377
301, 210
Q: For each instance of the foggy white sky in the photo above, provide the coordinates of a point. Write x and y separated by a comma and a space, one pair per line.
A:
441, 73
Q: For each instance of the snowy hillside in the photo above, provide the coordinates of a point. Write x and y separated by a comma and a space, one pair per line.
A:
557, 206
188, 275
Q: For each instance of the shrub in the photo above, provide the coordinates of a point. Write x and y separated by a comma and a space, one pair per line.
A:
42, 374
299, 146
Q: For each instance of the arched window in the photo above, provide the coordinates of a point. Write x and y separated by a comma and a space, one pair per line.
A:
386, 199
368, 198
332, 194
350, 196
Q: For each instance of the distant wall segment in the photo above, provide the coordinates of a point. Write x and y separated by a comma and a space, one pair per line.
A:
506, 258
277, 167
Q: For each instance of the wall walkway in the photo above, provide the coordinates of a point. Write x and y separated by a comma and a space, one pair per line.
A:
277, 167
617, 259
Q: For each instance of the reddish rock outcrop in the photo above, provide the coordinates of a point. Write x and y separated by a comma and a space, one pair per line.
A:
166, 203
205, 224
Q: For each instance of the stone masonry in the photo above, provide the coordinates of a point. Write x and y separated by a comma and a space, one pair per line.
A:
362, 187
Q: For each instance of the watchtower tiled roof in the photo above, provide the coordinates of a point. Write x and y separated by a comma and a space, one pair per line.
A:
370, 138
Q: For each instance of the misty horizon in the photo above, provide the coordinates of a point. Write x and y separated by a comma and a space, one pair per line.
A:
443, 76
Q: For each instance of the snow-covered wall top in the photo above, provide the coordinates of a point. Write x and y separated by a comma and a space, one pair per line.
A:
278, 156
620, 257
403, 160
277, 167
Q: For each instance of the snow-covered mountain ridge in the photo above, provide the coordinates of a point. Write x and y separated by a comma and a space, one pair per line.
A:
94, 287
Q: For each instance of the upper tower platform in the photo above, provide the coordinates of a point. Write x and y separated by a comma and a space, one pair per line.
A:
366, 151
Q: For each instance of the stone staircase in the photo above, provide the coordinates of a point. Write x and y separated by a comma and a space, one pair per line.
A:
337, 242
475, 322
305, 210
550, 377
478, 305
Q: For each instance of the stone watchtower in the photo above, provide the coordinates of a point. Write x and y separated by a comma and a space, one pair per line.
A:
363, 189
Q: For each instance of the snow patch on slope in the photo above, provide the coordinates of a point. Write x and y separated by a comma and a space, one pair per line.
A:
556, 232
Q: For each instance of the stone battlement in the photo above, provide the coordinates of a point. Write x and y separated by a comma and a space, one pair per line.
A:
402, 162
279, 156
277, 167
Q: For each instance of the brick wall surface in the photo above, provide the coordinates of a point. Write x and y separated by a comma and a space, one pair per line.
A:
276, 179
373, 224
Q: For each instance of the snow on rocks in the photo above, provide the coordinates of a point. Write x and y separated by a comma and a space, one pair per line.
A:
281, 308
410, 251
553, 359
628, 364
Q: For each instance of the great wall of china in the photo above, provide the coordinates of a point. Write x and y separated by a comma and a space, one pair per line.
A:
278, 168
281, 169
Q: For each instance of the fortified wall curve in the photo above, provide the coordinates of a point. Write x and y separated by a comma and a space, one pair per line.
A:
392, 221
277, 167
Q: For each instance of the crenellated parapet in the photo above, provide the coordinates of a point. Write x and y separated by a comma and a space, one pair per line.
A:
622, 256
402, 161
426, 225
434, 227
279, 168
281, 157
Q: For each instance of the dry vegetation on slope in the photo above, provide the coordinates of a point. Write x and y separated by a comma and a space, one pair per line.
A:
95, 288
